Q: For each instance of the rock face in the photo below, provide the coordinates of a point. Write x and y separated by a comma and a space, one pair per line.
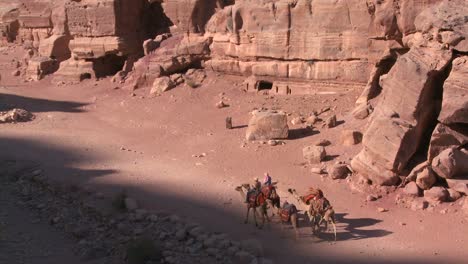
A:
411, 91
265, 125
322, 41
401, 118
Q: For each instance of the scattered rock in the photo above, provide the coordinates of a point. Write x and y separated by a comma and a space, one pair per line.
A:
161, 85
221, 104
362, 111
426, 179
458, 185
318, 170
419, 205
15, 115
351, 137
331, 121
453, 195
436, 194
451, 163
275, 142
314, 154
371, 198
311, 120
381, 210
297, 121
339, 171
194, 77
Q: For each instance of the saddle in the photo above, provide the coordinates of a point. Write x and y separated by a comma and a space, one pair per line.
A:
287, 211
267, 190
307, 198
255, 198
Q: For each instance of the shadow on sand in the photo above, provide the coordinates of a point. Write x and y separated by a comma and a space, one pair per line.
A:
60, 161
9, 101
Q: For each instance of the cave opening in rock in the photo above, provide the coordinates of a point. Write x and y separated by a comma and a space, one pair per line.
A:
155, 21
85, 76
108, 65
264, 85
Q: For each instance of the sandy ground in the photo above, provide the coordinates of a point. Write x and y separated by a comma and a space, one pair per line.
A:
109, 140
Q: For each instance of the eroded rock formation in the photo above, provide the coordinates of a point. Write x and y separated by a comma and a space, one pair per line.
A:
408, 56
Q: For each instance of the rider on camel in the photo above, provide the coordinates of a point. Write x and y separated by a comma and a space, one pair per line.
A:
267, 180
256, 188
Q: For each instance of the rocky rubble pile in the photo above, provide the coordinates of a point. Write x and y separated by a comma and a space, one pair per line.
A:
125, 234
15, 115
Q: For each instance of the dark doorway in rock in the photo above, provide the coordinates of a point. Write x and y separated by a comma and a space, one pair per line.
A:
264, 85
108, 65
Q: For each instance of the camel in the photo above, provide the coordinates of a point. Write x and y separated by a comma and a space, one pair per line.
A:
255, 200
289, 214
273, 199
316, 215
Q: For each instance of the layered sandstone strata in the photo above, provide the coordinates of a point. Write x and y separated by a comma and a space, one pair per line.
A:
422, 83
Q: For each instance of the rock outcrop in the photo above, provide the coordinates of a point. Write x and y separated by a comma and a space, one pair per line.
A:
411, 93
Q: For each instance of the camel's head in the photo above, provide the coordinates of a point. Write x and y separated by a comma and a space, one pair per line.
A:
238, 188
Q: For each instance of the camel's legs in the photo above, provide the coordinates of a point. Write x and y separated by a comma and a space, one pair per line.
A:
255, 216
294, 223
334, 228
247, 216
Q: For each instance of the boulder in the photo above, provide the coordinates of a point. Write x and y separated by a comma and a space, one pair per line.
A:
339, 171
444, 137
194, 77
331, 121
362, 111
403, 115
455, 96
451, 163
266, 125
436, 194
314, 154
411, 189
38, 67
162, 84
454, 195
426, 179
459, 185
350, 137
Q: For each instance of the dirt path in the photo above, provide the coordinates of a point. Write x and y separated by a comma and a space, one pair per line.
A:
107, 140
